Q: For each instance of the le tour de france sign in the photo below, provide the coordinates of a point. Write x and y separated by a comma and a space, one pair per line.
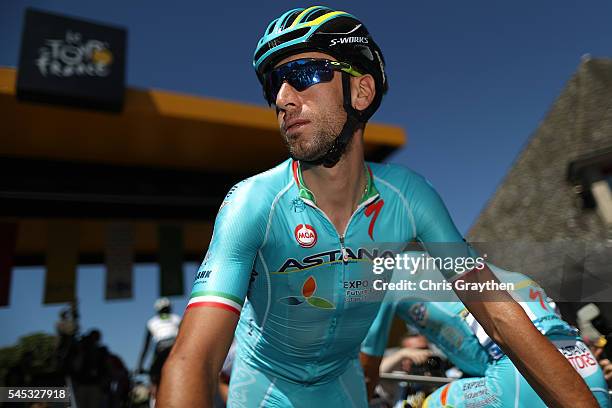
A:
72, 62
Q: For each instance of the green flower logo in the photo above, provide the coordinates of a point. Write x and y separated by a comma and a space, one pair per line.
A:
308, 290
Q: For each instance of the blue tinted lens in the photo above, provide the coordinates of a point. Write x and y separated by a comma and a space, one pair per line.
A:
300, 74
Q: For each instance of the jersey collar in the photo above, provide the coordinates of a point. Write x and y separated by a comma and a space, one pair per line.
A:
370, 194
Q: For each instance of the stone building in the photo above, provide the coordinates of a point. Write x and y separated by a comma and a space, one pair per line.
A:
551, 216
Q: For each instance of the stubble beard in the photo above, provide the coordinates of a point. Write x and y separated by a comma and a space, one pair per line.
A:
304, 148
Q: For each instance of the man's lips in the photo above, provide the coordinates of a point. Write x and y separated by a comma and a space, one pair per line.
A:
294, 124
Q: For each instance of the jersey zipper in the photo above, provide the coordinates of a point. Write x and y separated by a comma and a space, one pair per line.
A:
345, 258
343, 250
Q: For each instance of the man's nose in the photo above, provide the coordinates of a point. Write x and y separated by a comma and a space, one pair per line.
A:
287, 96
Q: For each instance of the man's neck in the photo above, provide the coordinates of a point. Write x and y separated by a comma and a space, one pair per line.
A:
338, 190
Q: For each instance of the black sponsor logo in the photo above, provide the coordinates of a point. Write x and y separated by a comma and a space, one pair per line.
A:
356, 284
203, 274
331, 256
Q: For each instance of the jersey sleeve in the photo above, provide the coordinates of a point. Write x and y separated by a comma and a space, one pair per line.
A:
376, 340
437, 232
223, 278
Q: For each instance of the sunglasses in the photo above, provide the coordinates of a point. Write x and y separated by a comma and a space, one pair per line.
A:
302, 74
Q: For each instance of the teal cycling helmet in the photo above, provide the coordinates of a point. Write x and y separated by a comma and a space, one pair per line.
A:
338, 34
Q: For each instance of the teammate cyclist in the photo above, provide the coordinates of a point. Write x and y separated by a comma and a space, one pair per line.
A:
292, 241
446, 323
162, 329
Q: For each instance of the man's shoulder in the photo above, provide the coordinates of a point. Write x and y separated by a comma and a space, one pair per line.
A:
397, 177
255, 195
265, 185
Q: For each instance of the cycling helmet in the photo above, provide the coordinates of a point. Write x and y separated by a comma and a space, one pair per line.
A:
335, 33
162, 305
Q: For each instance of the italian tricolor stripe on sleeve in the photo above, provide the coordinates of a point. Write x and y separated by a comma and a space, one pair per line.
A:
216, 299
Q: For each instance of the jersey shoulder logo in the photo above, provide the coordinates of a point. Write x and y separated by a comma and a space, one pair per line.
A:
305, 235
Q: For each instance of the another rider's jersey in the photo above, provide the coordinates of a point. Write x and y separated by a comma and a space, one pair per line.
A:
164, 327
450, 326
308, 288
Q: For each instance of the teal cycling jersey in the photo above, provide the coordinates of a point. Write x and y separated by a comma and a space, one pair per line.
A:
494, 381
450, 326
303, 290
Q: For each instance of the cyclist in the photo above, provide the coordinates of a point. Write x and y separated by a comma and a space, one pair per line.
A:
447, 324
292, 240
162, 329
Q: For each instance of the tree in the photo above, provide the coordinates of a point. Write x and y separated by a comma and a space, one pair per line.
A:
43, 349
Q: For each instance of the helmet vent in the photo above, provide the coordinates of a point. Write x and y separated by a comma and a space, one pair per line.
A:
291, 18
291, 35
318, 14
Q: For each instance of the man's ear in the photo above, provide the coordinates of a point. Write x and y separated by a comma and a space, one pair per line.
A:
363, 90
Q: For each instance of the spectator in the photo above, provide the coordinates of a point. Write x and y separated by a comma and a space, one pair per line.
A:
67, 328
414, 356
91, 374
119, 382
414, 350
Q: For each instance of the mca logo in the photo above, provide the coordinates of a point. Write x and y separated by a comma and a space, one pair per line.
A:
305, 235
308, 290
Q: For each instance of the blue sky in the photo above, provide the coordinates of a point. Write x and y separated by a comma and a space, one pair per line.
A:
469, 81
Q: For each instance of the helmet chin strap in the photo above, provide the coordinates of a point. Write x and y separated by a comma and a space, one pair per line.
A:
353, 120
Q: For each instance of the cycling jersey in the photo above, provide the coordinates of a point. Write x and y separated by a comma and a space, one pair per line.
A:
163, 327
503, 385
250, 387
308, 288
449, 326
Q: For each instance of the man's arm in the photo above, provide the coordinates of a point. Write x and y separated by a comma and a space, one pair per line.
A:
546, 370
537, 359
145, 348
190, 375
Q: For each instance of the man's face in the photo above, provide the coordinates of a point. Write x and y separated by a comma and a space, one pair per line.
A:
310, 120
419, 342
